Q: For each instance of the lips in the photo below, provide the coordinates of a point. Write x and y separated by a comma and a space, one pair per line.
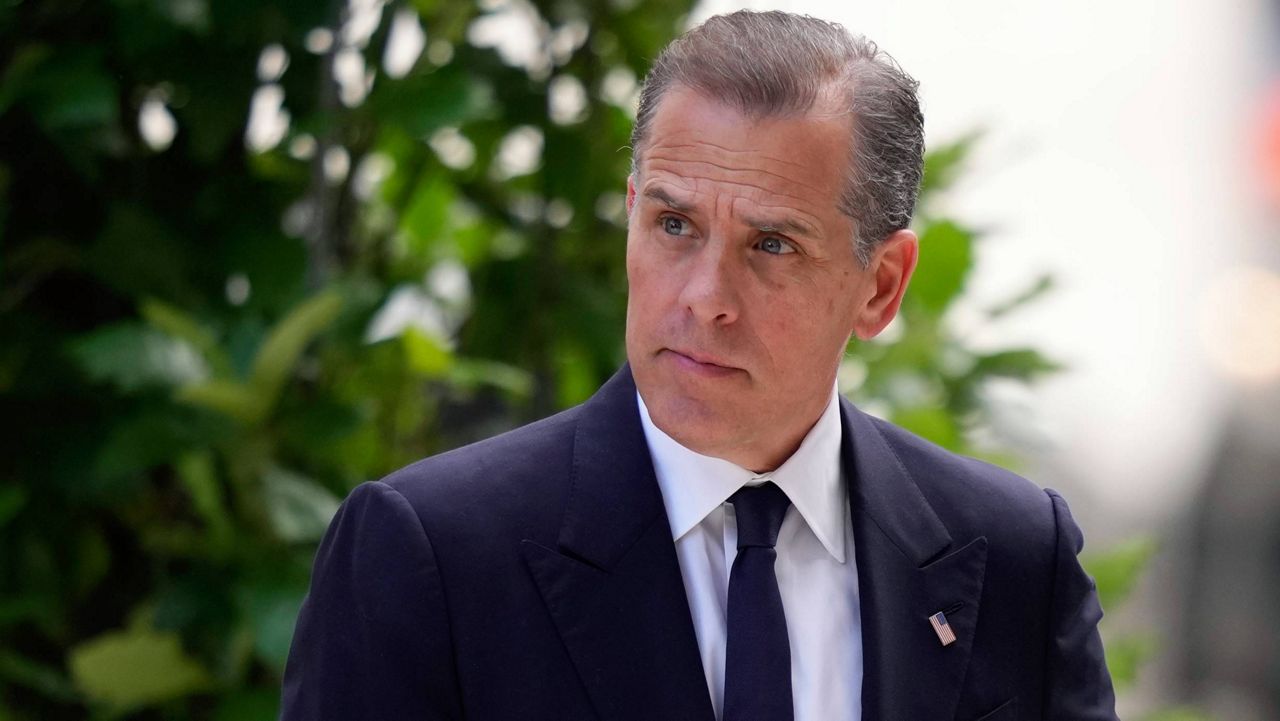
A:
701, 363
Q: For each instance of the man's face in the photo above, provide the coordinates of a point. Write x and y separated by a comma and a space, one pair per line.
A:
744, 286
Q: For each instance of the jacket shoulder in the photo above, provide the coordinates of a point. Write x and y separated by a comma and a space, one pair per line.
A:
528, 443
515, 482
973, 497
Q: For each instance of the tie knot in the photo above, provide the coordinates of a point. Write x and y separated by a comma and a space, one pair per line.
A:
759, 511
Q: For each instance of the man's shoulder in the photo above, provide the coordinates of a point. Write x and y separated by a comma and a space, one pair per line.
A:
528, 444
517, 484
519, 471
969, 494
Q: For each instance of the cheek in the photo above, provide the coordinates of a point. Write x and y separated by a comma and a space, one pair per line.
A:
639, 277
807, 330
647, 287
636, 273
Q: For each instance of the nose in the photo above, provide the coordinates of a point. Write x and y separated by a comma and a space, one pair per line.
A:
710, 292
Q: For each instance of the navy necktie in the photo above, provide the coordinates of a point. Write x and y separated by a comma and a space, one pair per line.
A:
757, 673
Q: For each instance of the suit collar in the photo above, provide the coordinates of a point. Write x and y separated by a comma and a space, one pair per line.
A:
614, 589
883, 490
613, 584
614, 497
908, 569
693, 485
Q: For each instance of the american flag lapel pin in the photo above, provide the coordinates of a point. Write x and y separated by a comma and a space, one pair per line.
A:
942, 628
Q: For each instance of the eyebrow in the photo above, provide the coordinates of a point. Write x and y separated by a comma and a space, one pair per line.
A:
662, 196
790, 226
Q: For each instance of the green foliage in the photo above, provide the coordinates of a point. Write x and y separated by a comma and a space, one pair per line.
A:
1115, 571
132, 357
1125, 656
208, 337
124, 670
929, 379
1177, 713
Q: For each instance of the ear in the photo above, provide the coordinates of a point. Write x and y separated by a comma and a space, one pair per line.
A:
888, 274
631, 194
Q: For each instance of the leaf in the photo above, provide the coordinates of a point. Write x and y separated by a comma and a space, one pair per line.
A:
272, 607
943, 164
946, 255
22, 608
197, 474
422, 103
575, 381
299, 508
475, 371
181, 325
12, 499
1039, 287
249, 705
1023, 364
24, 62
127, 670
232, 399
1116, 569
197, 600
427, 356
1125, 656
931, 423
132, 356
92, 560
189, 15
285, 343
48, 682
154, 435
71, 88
426, 220
274, 265
138, 253
179, 540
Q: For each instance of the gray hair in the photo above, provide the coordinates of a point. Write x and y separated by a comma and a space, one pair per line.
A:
777, 64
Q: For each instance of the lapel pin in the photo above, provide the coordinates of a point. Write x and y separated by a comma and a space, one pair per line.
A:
942, 628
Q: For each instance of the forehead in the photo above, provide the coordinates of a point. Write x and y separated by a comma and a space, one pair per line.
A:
697, 145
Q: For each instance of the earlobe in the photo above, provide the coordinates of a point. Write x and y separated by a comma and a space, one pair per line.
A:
890, 273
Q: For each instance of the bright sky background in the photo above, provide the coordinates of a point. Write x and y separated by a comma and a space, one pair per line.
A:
1118, 156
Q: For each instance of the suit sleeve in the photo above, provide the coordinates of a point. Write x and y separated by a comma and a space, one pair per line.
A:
372, 639
1078, 685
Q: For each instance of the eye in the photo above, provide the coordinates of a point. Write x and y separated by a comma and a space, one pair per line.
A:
674, 226
776, 246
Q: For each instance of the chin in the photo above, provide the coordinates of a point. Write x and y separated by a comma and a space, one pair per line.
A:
697, 425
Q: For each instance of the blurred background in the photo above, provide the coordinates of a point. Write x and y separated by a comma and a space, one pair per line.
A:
256, 252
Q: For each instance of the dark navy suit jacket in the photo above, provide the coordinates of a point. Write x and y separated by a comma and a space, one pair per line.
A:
534, 576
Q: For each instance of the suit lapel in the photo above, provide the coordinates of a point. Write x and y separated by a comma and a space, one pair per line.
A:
908, 570
613, 584
614, 590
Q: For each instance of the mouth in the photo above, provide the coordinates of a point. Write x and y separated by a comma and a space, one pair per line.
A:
701, 363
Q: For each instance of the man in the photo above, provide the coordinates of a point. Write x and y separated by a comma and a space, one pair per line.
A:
716, 534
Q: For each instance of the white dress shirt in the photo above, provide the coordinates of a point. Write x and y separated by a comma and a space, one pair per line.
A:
817, 576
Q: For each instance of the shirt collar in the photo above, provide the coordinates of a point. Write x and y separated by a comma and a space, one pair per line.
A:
693, 485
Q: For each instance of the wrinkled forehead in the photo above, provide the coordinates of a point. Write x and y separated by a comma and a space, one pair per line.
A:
832, 101
706, 155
